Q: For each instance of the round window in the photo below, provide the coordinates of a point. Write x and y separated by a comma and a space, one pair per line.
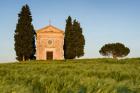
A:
49, 42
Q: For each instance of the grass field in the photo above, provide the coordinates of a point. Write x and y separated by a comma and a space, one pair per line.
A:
72, 76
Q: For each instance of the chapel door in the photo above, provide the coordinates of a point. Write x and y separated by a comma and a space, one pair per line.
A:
49, 55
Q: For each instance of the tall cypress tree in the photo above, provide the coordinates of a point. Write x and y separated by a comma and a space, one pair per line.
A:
79, 40
75, 36
24, 35
81, 44
74, 41
68, 40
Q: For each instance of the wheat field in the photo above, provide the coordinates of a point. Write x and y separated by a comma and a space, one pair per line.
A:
71, 76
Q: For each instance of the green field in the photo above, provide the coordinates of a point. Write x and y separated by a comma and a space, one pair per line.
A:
71, 76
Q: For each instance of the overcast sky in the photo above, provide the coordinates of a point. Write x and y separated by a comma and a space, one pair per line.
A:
103, 21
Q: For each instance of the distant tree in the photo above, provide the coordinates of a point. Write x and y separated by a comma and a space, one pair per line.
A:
115, 50
24, 36
79, 40
68, 40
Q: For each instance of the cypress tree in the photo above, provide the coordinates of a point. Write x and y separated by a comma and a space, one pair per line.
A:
74, 40
68, 40
24, 35
79, 40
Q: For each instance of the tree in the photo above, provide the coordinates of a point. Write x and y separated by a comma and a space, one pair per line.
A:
115, 50
68, 40
74, 40
79, 40
24, 35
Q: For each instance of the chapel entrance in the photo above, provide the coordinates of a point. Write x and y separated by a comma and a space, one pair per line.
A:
49, 55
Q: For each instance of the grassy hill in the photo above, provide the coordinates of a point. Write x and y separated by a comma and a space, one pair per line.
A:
72, 76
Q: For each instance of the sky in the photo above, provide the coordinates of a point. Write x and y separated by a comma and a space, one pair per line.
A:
103, 21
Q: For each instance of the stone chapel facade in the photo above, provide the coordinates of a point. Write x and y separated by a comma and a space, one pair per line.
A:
49, 43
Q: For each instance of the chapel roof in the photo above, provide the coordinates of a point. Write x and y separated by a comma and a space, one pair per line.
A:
49, 29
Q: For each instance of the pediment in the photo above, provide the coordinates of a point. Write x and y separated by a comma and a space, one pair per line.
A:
50, 29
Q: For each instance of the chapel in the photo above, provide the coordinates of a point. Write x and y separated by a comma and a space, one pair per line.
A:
49, 43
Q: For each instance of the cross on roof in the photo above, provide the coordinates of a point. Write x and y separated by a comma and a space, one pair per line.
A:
49, 22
